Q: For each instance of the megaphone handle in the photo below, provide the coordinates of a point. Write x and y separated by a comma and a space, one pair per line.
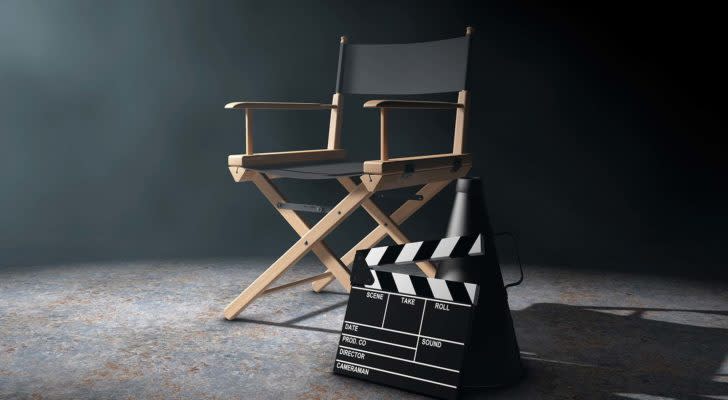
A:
518, 257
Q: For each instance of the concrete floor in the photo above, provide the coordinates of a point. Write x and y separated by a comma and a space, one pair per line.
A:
155, 330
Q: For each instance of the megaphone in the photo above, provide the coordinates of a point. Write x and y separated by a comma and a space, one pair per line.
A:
494, 358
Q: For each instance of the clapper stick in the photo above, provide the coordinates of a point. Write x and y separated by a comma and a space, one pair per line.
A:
452, 247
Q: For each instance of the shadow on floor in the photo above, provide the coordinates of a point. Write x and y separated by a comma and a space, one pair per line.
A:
291, 323
576, 352
607, 352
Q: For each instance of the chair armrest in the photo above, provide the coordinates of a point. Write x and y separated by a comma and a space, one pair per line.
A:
249, 106
384, 105
417, 163
264, 105
411, 104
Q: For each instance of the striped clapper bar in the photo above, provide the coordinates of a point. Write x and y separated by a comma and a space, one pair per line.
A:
407, 331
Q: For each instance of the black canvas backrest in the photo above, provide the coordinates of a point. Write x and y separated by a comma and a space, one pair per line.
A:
412, 68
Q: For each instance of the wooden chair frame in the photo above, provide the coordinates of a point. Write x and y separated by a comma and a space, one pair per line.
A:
432, 172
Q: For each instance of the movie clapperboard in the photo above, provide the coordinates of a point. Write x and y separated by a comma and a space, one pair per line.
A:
407, 331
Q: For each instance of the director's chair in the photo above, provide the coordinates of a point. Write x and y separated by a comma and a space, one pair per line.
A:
390, 69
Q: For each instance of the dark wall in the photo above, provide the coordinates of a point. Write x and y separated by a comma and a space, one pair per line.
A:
591, 127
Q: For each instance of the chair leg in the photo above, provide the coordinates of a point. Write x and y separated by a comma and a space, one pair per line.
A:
405, 211
317, 233
320, 249
389, 226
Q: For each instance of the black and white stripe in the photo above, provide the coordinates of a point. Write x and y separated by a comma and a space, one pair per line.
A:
452, 247
431, 288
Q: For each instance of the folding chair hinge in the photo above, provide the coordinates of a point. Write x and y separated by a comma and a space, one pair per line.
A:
409, 169
457, 164
312, 208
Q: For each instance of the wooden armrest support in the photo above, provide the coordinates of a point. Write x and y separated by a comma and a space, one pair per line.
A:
412, 104
263, 160
261, 105
416, 163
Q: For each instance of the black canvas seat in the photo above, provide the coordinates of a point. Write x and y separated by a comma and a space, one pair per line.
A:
317, 170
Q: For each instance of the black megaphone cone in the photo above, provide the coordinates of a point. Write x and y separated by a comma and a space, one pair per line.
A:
493, 358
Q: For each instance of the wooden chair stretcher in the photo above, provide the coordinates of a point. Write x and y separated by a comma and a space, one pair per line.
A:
432, 172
